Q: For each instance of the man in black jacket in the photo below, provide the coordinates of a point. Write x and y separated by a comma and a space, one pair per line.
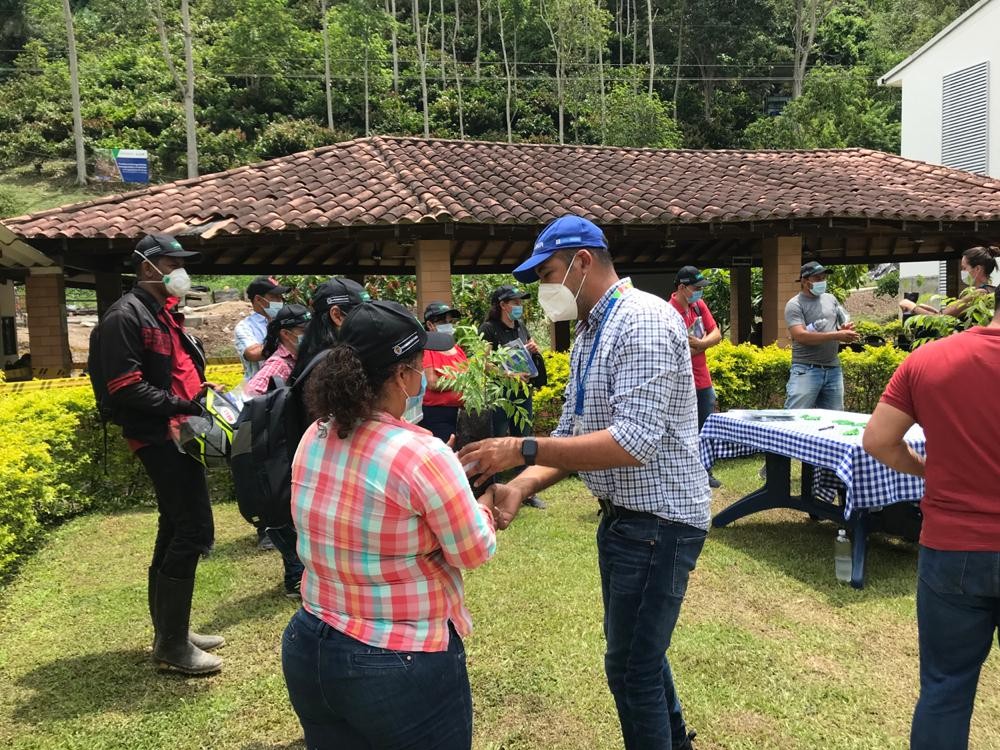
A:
148, 373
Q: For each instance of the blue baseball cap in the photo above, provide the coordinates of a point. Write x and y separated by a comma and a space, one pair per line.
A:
564, 233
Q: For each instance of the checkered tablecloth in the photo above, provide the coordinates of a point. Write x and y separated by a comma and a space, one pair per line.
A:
820, 438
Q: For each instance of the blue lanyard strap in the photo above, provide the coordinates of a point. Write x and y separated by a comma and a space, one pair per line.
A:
581, 377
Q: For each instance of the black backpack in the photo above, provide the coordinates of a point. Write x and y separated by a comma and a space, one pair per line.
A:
264, 443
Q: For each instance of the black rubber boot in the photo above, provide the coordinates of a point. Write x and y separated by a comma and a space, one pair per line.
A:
204, 642
171, 648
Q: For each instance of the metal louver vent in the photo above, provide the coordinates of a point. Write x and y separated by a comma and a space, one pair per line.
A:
965, 105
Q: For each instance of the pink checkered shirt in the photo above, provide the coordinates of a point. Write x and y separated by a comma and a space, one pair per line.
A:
386, 520
278, 365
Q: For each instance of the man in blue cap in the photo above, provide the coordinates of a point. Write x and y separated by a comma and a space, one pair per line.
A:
629, 427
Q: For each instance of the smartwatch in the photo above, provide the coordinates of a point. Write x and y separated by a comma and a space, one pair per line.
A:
529, 450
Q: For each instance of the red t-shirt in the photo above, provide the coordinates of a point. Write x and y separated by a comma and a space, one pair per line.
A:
949, 387
438, 361
691, 315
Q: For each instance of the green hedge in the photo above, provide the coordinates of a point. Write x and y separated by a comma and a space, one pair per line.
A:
52, 464
747, 377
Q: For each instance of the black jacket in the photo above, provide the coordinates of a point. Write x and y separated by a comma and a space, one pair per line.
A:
130, 367
498, 334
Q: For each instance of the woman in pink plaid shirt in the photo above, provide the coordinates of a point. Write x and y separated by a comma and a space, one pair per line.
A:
386, 521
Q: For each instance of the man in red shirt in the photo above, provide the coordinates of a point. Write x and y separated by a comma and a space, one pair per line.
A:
148, 374
703, 334
949, 387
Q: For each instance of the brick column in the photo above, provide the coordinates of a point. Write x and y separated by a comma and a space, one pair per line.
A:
782, 261
740, 304
433, 272
47, 332
8, 323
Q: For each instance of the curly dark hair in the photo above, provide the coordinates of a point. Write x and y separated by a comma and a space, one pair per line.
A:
343, 390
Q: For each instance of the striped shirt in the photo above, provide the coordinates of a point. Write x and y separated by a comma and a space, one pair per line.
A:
386, 519
641, 389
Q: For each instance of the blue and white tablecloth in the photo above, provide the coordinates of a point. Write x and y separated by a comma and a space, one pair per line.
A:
820, 438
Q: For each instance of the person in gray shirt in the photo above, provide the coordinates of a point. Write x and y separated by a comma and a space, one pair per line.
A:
817, 325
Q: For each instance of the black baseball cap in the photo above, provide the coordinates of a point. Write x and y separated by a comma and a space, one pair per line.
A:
690, 276
439, 310
812, 268
506, 292
161, 246
384, 333
265, 285
291, 316
342, 293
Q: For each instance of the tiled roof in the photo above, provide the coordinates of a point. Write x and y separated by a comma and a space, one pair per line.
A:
383, 181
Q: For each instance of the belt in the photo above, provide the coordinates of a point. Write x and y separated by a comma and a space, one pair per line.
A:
822, 367
610, 510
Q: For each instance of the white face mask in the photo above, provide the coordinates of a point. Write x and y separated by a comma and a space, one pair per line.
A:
448, 328
557, 301
177, 282
968, 278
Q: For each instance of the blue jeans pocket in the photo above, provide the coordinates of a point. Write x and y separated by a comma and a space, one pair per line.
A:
636, 530
942, 571
685, 560
381, 660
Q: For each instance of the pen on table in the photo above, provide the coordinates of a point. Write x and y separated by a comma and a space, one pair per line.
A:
828, 427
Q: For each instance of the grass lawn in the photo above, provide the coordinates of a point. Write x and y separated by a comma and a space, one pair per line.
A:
54, 187
770, 651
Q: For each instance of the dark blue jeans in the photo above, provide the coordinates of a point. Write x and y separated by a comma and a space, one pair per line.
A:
352, 696
958, 613
442, 421
645, 564
706, 404
285, 538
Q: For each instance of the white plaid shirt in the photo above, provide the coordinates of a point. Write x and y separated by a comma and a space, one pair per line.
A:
640, 388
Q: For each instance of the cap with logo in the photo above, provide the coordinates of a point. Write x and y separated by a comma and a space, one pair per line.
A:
162, 246
507, 292
439, 310
291, 316
690, 276
564, 233
342, 293
812, 268
265, 285
384, 333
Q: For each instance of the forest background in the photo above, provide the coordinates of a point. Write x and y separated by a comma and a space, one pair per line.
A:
207, 85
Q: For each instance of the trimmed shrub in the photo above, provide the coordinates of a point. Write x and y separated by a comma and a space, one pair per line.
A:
53, 464
548, 401
866, 375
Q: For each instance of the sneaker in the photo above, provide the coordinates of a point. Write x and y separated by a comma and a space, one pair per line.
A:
713, 482
534, 501
264, 544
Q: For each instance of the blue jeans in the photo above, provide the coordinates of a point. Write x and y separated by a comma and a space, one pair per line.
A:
285, 539
706, 404
442, 421
645, 564
352, 696
814, 387
958, 613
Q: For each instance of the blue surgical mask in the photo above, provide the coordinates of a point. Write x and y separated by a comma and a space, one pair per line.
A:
695, 296
273, 308
448, 328
414, 411
819, 287
516, 312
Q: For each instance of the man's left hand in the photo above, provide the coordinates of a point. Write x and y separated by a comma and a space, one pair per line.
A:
205, 386
491, 456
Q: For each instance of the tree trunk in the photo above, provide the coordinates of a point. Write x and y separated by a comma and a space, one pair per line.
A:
635, 31
600, 79
390, 8
422, 59
649, 34
444, 74
74, 92
680, 56
809, 14
368, 108
327, 86
458, 75
189, 121
556, 42
479, 34
507, 76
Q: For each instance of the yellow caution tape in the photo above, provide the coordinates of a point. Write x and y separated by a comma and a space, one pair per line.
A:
36, 384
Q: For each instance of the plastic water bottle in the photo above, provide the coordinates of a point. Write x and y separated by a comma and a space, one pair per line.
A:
842, 556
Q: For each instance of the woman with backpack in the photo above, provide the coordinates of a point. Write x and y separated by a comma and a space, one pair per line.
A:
386, 521
281, 347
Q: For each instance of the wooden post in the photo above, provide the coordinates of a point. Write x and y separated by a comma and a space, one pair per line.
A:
108, 286
8, 323
559, 336
740, 304
953, 277
48, 334
433, 272
782, 261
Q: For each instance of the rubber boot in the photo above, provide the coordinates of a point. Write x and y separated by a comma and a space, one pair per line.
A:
172, 649
204, 642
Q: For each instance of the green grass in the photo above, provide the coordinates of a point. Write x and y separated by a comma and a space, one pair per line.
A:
54, 187
770, 651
